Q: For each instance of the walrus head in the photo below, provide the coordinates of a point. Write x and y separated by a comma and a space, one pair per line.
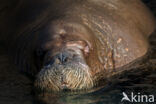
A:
64, 65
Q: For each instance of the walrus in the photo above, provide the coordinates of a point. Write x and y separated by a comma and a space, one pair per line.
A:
72, 44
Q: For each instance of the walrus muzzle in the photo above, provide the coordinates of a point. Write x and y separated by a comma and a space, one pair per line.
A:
66, 70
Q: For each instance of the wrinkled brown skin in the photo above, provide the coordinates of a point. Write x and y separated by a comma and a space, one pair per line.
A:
115, 31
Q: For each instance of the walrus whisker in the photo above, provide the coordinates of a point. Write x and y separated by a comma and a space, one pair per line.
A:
76, 76
79, 79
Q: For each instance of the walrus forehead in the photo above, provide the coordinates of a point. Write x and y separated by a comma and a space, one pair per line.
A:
68, 29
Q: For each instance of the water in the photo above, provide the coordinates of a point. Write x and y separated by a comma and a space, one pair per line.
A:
16, 88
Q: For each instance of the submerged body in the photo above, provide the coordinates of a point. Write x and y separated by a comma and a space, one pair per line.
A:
73, 44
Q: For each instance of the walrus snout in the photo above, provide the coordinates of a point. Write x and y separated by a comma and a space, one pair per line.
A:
60, 58
66, 69
66, 55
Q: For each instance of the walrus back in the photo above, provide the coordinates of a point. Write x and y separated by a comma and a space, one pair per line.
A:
141, 15
132, 11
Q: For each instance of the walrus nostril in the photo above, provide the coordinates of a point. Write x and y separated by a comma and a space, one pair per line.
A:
58, 59
63, 58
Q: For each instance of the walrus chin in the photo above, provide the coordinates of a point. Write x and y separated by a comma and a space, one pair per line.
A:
66, 70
